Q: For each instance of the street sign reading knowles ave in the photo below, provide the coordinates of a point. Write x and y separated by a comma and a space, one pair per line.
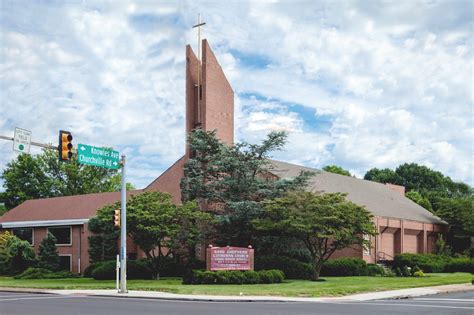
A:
95, 156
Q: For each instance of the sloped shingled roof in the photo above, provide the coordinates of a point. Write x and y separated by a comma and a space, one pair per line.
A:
380, 200
61, 208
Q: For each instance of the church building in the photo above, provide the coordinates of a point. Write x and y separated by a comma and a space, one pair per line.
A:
403, 226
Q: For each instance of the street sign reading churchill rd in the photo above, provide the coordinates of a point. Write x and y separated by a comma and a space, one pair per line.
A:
95, 156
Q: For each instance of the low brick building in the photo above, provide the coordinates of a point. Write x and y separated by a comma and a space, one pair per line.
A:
403, 225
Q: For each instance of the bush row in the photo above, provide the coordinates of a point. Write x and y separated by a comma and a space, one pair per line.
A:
41, 273
460, 265
294, 269
105, 270
291, 267
434, 263
233, 277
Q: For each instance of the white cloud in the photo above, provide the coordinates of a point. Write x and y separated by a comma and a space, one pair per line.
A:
395, 80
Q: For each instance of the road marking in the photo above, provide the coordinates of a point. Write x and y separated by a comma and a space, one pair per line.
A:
456, 300
411, 305
37, 298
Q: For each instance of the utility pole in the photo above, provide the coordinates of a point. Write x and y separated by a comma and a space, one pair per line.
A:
123, 230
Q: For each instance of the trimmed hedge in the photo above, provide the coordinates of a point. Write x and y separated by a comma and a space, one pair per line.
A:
375, 270
91, 267
427, 262
344, 267
460, 265
292, 268
234, 277
41, 273
136, 269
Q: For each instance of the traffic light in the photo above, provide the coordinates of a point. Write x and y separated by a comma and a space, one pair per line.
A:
117, 217
65, 145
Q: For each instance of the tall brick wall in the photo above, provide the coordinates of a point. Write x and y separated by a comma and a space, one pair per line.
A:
218, 97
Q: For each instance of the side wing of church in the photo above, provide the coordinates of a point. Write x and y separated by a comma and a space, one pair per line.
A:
403, 225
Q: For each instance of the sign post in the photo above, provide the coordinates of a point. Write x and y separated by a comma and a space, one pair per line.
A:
123, 231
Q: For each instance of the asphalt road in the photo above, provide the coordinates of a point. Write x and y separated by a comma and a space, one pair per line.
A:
32, 304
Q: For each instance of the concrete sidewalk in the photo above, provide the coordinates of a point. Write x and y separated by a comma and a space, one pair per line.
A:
393, 294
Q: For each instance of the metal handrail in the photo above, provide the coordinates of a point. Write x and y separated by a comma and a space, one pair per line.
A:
383, 256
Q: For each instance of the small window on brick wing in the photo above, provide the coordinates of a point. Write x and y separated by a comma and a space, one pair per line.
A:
62, 234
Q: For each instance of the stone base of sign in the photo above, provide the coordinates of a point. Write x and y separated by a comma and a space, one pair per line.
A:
229, 258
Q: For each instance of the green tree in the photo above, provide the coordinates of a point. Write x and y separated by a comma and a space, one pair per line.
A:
336, 170
15, 255
3, 209
4, 241
419, 199
231, 181
323, 222
103, 243
459, 213
383, 176
43, 176
160, 228
48, 257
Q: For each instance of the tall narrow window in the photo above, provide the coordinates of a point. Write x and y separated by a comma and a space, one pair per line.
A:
367, 248
62, 234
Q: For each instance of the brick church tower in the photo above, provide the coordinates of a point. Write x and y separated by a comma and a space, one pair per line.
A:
214, 110
210, 108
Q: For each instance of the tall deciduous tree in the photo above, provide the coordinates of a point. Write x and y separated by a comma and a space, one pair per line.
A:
323, 222
232, 180
385, 175
419, 199
459, 212
160, 228
336, 170
48, 256
42, 176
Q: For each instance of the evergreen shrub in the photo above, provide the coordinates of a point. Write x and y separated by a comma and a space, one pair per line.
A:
48, 257
233, 277
344, 267
42, 273
460, 265
292, 268
136, 269
427, 262
375, 270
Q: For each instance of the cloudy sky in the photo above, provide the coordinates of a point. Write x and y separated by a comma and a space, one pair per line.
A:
358, 84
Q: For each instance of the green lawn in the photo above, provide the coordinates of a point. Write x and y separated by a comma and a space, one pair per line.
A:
333, 286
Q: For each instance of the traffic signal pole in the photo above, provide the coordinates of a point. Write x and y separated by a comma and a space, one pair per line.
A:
123, 230
36, 144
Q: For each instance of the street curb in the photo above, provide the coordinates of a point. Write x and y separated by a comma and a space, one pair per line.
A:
26, 290
183, 299
368, 296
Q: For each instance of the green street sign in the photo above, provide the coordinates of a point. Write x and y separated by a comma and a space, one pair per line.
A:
95, 156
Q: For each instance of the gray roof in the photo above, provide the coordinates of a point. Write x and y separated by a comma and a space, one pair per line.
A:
380, 200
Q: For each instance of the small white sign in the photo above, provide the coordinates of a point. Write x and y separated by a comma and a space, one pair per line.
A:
22, 140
